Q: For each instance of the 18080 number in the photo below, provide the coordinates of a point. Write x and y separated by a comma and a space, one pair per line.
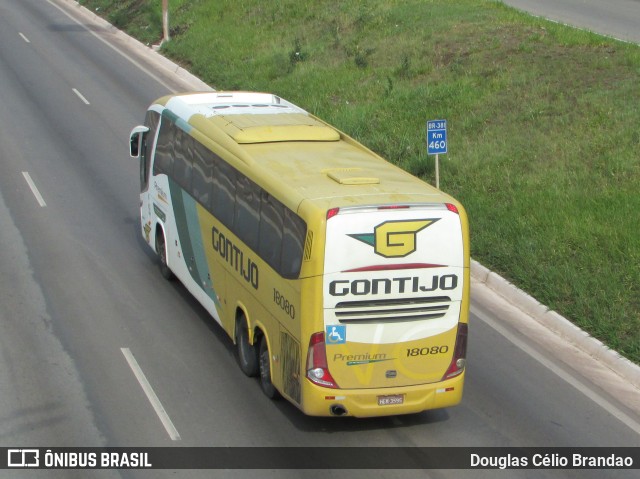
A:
284, 303
427, 351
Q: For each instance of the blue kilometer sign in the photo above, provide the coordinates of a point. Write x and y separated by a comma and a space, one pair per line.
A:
436, 137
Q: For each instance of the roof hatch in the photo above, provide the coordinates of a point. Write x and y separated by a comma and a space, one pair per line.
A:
266, 128
352, 176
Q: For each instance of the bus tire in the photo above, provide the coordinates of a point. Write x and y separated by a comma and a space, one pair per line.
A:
161, 250
247, 353
265, 371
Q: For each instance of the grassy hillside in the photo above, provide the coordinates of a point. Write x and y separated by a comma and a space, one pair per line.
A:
544, 124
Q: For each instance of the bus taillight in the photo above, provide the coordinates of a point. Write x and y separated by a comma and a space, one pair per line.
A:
317, 369
459, 354
332, 212
453, 208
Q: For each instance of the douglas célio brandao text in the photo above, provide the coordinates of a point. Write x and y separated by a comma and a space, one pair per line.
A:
551, 461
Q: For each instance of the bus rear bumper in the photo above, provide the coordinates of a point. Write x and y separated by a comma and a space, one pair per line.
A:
383, 401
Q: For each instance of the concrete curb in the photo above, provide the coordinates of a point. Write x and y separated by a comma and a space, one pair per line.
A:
557, 323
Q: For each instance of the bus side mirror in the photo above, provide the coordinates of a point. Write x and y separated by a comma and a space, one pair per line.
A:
135, 140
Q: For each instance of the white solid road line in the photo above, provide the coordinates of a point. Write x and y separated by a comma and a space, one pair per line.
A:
34, 189
590, 393
86, 102
151, 395
24, 37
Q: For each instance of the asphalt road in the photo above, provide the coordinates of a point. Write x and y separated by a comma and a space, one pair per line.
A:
84, 312
616, 18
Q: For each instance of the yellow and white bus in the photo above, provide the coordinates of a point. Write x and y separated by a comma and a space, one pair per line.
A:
342, 279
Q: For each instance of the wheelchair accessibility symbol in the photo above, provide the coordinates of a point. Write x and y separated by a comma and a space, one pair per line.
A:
336, 334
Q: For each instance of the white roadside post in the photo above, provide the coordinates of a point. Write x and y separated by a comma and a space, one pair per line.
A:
165, 20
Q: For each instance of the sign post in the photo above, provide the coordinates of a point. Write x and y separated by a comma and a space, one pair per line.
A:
437, 142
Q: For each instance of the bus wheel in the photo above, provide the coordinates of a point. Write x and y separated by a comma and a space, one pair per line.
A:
162, 255
247, 353
265, 371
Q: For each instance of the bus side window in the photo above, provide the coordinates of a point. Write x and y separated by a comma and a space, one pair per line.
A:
295, 230
182, 163
164, 149
271, 224
224, 192
246, 221
201, 176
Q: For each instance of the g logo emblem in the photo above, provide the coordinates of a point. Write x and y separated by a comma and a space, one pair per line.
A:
395, 239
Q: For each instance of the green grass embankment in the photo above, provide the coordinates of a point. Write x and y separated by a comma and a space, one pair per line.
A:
543, 120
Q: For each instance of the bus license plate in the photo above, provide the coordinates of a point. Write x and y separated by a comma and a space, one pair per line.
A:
390, 400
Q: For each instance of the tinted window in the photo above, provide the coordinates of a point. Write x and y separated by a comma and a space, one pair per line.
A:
293, 237
246, 221
201, 174
224, 193
271, 223
183, 145
264, 224
164, 149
